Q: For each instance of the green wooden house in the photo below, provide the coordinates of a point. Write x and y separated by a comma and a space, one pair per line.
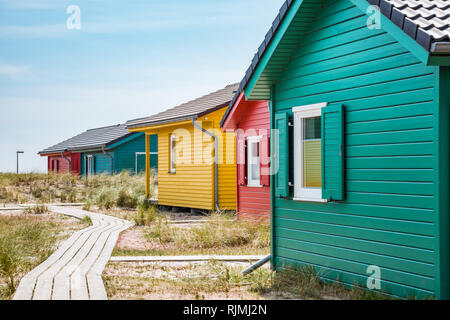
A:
359, 96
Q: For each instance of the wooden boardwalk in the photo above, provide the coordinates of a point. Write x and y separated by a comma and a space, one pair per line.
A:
74, 271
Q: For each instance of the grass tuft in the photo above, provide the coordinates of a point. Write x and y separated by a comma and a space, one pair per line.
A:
24, 243
126, 199
218, 232
86, 220
146, 215
36, 209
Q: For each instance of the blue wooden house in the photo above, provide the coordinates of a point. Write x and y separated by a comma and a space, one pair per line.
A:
359, 96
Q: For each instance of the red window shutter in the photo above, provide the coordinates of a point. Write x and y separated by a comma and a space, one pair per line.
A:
241, 163
264, 158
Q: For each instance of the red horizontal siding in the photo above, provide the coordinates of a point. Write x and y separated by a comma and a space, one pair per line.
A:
76, 163
63, 166
254, 203
249, 118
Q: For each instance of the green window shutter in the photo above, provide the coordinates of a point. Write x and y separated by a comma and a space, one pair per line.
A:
281, 155
333, 152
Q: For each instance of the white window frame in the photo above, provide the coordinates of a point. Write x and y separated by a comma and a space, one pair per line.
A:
301, 193
252, 182
89, 166
173, 150
136, 159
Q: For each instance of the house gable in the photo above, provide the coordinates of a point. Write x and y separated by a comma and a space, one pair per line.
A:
124, 140
296, 22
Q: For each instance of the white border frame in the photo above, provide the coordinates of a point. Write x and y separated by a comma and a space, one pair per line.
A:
89, 166
300, 113
172, 151
251, 183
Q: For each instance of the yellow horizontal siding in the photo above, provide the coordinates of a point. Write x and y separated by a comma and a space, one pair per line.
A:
227, 170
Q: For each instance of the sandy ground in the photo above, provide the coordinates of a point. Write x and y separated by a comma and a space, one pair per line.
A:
133, 239
164, 281
68, 225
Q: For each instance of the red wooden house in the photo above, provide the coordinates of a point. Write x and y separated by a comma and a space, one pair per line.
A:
60, 158
60, 162
250, 120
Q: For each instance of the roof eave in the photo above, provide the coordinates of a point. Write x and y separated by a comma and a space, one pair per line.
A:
218, 107
89, 149
53, 152
145, 125
265, 52
229, 113
115, 141
440, 48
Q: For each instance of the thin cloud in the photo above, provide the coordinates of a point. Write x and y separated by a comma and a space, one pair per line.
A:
31, 4
17, 73
38, 31
106, 27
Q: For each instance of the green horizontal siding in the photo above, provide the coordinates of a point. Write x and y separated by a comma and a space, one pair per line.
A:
102, 162
388, 217
125, 154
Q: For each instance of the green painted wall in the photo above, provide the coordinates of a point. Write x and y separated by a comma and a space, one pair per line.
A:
102, 162
389, 217
125, 154
443, 163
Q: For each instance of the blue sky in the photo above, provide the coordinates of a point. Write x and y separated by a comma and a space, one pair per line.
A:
131, 58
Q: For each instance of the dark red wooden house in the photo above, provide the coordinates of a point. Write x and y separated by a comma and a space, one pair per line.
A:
60, 162
60, 158
250, 120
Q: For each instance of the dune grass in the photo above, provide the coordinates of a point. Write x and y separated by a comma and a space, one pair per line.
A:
25, 242
123, 190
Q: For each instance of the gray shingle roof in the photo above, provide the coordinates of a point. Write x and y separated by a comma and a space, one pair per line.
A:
188, 110
91, 139
426, 21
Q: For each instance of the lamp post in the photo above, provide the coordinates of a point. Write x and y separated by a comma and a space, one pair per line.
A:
17, 153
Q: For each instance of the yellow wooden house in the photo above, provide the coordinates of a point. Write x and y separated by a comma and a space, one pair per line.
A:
196, 160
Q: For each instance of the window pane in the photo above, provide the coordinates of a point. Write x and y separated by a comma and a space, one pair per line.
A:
173, 152
253, 163
312, 153
312, 128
